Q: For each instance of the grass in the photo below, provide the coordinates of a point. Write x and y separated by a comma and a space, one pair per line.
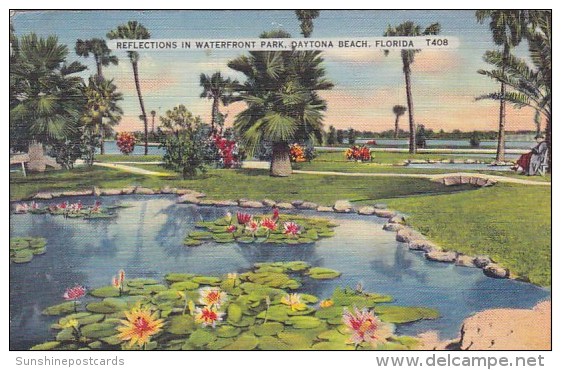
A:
233, 184
393, 158
128, 158
511, 223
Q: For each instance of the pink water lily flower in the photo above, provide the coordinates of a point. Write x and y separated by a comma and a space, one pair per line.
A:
365, 326
243, 218
231, 229
275, 213
72, 294
269, 224
252, 226
208, 316
291, 228
22, 208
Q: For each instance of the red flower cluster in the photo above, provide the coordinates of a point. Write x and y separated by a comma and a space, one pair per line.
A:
74, 293
228, 150
243, 218
357, 153
125, 142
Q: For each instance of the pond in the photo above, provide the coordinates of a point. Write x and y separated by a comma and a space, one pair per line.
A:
439, 143
146, 240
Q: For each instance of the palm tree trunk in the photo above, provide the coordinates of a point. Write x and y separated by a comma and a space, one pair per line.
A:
396, 126
500, 157
412, 131
141, 101
214, 114
99, 71
101, 140
280, 163
548, 140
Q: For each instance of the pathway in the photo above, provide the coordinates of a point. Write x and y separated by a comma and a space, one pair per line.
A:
131, 169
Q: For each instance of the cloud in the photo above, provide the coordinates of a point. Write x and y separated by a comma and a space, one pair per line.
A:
437, 61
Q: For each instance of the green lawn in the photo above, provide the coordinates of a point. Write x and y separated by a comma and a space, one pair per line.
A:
128, 158
234, 184
511, 223
393, 158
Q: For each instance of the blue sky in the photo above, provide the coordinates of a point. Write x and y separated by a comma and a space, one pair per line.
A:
367, 83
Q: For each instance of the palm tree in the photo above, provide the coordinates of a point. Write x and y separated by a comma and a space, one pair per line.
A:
531, 85
282, 100
507, 28
306, 18
153, 114
47, 96
101, 53
134, 31
102, 109
408, 56
398, 110
218, 89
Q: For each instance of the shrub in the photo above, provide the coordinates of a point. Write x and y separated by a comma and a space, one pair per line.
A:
358, 153
474, 140
229, 154
299, 153
125, 142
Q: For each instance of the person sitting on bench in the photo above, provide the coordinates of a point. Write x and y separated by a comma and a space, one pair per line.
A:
533, 162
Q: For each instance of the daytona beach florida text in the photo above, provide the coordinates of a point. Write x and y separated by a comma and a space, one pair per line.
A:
384, 43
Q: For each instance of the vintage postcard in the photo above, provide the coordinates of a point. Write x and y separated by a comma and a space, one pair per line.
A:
280, 180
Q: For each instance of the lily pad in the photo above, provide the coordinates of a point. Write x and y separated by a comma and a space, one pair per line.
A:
45, 346
200, 235
220, 343
22, 256
304, 322
206, 280
268, 328
112, 340
201, 337
400, 315
59, 309
83, 318
223, 238
296, 266
139, 283
332, 346
180, 325
108, 305
184, 285
245, 239
65, 334
105, 291
167, 296
275, 313
234, 313
227, 331
245, 342
330, 312
192, 242
350, 298
296, 340
322, 273
98, 330
175, 277
409, 342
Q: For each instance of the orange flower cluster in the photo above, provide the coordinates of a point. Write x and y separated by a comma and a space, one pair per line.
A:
297, 153
357, 153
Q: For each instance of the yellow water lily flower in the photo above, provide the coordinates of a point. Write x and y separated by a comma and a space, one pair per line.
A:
293, 300
326, 303
139, 326
72, 323
212, 296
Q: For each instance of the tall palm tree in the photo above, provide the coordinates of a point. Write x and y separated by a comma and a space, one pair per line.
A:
283, 105
219, 90
507, 27
134, 31
102, 109
153, 114
101, 53
407, 57
306, 18
531, 84
398, 110
47, 95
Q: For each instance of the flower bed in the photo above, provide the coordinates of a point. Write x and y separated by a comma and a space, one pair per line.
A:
69, 210
258, 309
23, 249
358, 153
273, 229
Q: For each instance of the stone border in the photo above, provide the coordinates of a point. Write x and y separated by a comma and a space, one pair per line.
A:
396, 222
